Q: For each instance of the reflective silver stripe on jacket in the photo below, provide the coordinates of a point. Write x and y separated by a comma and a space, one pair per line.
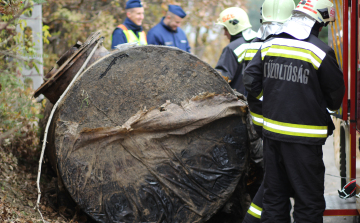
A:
295, 129
252, 50
295, 49
240, 51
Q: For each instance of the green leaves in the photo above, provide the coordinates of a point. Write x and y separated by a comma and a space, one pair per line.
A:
46, 34
19, 112
6, 18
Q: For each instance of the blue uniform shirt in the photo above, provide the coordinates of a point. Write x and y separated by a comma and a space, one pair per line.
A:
161, 34
118, 36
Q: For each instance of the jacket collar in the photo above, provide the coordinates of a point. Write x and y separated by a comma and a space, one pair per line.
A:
267, 29
235, 37
316, 29
132, 26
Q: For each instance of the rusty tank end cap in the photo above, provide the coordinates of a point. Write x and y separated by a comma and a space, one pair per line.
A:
64, 62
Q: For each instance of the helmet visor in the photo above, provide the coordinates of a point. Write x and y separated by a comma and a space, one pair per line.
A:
327, 14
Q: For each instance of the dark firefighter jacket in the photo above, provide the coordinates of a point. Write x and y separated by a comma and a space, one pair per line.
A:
255, 105
298, 81
229, 64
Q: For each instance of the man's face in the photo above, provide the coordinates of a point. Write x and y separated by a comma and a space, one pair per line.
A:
226, 33
136, 15
174, 22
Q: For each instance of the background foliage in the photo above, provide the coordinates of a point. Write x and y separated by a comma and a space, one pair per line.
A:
19, 116
18, 112
70, 20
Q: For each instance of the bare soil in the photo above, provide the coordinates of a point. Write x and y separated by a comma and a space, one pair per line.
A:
18, 190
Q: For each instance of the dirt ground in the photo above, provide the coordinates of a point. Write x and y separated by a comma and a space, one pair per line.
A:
18, 191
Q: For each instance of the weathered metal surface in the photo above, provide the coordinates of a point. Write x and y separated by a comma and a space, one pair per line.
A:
69, 64
148, 174
69, 53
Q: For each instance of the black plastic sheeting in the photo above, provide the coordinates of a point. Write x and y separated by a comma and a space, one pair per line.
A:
180, 169
125, 156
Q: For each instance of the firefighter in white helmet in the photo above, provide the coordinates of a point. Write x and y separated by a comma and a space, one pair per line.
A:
273, 14
238, 30
298, 77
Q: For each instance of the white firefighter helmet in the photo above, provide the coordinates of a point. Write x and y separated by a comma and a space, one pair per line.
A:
276, 10
234, 19
321, 10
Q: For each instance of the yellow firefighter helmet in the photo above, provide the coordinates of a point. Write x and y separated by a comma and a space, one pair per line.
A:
234, 19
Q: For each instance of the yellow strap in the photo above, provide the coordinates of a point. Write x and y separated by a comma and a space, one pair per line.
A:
122, 26
125, 30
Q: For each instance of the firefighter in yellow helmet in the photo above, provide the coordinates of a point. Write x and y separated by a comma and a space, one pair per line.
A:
298, 77
238, 30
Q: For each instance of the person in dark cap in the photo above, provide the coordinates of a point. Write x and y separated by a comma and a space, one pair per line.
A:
131, 30
168, 32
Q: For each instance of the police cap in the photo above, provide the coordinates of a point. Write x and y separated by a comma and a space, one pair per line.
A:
177, 10
133, 4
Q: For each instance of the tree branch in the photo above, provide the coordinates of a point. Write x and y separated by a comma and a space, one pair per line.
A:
7, 53
4, 26
7, 40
